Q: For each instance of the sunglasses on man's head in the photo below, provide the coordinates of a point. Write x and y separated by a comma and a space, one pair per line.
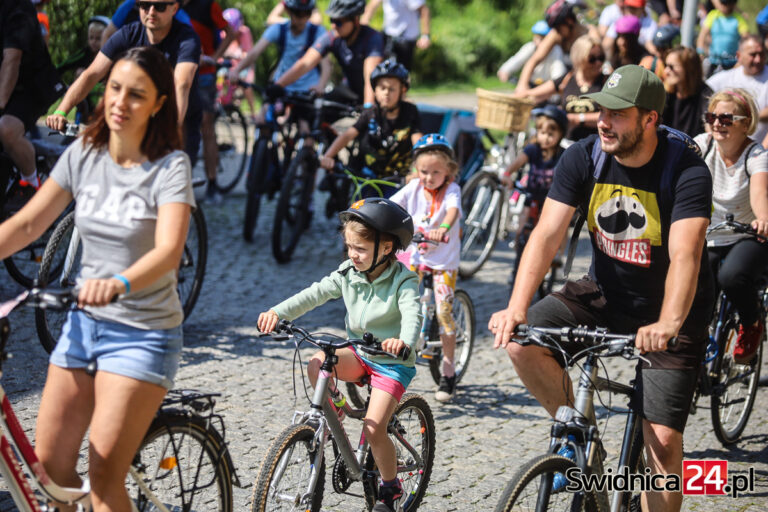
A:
339, 21
725, 119
596, 58
299, 14
159, 6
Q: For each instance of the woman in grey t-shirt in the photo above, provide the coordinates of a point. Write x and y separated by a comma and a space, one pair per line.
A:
133, 199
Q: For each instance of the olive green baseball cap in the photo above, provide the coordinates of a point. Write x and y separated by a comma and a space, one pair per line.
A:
631, 86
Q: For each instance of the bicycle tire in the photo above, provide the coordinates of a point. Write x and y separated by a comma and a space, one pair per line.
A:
193, 261
293, 215
355, 395
255, 186
481, 199
232, 141
47, 321
631, 501
734, 389
518, 497
23, 265
182, 463
464, 316
413, 420
284, 446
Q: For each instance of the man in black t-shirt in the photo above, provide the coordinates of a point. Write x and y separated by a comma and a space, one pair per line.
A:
647, 214
29, 83
177, 41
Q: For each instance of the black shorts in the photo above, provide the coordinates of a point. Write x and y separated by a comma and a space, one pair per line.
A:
666, 383
26, 106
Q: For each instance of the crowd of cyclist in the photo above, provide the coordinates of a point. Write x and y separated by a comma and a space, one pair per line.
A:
648, 193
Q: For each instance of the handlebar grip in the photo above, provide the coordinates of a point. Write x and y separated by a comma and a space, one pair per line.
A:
673, 342
405, 353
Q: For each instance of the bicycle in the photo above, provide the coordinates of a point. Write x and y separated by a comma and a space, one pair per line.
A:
732, 387
345, 186
294, 205
532, 487
183, 462
293, 471
273, 148
61, 264
429, 348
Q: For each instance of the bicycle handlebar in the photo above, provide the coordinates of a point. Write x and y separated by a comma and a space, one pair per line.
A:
419, 238
368, 344
736, 226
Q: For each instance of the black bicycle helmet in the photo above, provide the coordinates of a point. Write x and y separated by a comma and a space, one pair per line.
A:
391, 68
433, 142
384, 216
556, 114
666, 37
560, 10
345, 8
299, 5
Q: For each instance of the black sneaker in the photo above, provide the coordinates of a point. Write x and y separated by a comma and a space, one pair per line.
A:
388, 496
447, 389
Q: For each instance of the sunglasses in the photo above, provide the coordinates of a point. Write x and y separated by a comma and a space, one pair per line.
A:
725, 119
159, 6
596, 58
339, 21
299, 14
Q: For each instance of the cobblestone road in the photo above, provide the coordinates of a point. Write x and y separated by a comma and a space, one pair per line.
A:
483, 436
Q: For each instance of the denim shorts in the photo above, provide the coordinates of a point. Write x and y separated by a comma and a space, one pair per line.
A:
149, 355
392, 378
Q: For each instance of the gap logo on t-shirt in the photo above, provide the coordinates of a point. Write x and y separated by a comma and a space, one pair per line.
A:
625, 222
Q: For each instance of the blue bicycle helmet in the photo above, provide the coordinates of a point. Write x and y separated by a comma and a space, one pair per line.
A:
540, 28
556, 114
433, 142
666, 37
103, 20
299, 5
391, 68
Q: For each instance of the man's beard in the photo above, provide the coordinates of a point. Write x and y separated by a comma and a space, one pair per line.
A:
628, 143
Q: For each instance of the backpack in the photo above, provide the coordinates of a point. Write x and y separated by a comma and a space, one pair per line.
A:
677, 143
281, 38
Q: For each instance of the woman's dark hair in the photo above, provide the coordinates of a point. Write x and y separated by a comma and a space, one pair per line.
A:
163, 134
691, 76
635, 51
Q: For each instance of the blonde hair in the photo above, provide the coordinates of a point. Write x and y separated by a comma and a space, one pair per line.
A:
745, 105
451, 164
580, 49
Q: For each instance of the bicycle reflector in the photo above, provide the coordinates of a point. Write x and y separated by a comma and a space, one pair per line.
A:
169, 463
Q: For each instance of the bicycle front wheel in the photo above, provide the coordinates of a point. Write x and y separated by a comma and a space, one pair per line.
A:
481, 199
181, 466
284, 481
293, 214
464, 318
193, 261
232, 141
531, 488
412, 430
735, 387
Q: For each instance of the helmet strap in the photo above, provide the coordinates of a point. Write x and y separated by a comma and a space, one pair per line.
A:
376, 255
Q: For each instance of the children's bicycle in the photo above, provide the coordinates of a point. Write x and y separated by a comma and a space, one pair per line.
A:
292, 476
540, 483
429, 349
183, 463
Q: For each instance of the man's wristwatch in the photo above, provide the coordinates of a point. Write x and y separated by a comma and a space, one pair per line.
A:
424, 35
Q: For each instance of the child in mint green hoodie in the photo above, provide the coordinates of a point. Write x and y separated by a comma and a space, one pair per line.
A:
382, 297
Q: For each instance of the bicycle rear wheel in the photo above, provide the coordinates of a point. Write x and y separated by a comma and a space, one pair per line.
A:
293, 207
412, 430
283, 481
193, 261
464, 317
232, 141
531, 488
734, 389
180, 465
257, 173
481, 199
60, 267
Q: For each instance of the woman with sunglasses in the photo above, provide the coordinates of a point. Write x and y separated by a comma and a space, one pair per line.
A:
687, 93
586, 77
133, 193
739, 169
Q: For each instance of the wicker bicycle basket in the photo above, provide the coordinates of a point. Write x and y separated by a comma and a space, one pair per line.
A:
501, 111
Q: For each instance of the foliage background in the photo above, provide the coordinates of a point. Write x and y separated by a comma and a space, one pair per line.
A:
470, 38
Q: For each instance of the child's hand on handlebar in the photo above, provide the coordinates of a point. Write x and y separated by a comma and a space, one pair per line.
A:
393, 345
326, 163
761, 226
437, 235
267, 321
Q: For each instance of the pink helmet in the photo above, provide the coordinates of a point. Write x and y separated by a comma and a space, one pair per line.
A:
628, 25
234, 17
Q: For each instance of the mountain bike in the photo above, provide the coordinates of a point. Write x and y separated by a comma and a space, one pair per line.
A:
294, 205
534, 486
732, 387
273, 148
292, 476
345, 186
429, 348
183, 462
61, 266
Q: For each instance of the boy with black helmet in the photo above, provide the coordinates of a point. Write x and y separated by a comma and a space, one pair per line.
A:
387, 131
381, 297
357, 48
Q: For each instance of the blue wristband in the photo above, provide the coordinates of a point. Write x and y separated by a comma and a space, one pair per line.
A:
367, 105
124, 281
